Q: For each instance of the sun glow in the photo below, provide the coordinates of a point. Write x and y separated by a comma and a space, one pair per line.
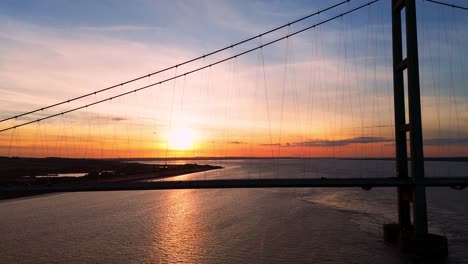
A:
181, 139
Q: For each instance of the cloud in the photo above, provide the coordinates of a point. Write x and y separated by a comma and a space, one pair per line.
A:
119, 119
445, 141
220, 15
236, 142
270, 145
60, 65
339, 143
117, 28
439, 142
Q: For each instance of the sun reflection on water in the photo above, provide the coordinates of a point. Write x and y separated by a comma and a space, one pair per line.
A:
178, 235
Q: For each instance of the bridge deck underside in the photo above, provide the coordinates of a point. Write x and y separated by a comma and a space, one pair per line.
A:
365, 183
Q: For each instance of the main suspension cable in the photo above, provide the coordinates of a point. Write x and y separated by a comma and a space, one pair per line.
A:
195, 70
447, 4
177, 65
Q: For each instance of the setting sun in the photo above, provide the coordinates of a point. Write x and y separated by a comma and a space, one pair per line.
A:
181, 139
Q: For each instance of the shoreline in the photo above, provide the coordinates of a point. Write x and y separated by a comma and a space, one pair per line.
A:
29, 172
133, 178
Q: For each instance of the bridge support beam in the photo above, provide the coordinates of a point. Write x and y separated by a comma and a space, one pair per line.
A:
412, 236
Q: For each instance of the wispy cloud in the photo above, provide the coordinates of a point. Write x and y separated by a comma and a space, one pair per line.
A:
270, 145
336, 143
110, 118
116, 28
445, 141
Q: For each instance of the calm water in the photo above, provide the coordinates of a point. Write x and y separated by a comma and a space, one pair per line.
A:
230, 226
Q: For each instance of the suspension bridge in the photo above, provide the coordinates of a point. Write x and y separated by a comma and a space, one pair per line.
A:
411, 230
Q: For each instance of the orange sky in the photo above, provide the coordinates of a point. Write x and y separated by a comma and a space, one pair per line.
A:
326, 92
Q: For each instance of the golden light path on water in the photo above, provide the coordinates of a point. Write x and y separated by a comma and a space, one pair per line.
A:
294, 225
178, 228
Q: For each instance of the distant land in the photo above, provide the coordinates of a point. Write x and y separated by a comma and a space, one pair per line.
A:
454, 159
64, 171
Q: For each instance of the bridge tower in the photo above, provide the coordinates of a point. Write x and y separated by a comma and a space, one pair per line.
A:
411, 231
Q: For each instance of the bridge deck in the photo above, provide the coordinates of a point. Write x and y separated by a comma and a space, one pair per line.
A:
366, 183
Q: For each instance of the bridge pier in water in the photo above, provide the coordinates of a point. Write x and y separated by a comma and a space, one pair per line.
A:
411, 232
